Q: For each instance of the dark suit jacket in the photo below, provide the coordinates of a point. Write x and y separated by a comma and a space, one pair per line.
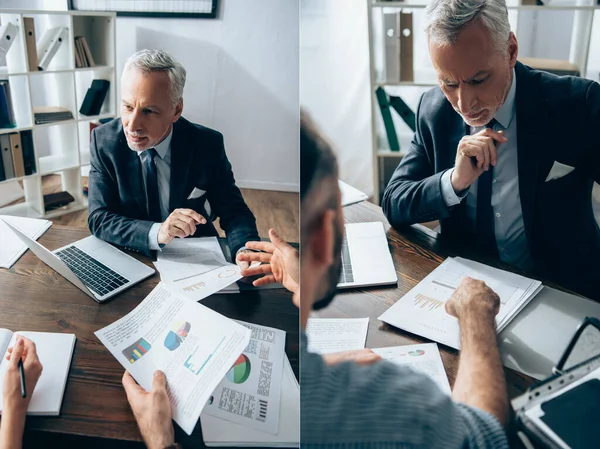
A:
558, 119
118, 211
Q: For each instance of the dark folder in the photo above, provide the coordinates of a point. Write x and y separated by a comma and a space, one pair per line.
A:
94, 98
28, 153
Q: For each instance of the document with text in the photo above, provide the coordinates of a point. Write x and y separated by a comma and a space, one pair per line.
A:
193, 345
422, 310
250, 393
424, 359
328, 335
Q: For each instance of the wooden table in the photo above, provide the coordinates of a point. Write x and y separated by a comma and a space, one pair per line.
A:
416, 252
33, 297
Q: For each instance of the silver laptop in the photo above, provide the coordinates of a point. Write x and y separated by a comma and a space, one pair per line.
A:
366, 258
97, 268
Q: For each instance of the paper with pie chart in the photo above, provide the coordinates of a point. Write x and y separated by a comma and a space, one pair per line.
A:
424, 359
193, 345
250, 393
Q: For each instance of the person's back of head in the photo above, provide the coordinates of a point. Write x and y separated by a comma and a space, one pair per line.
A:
321, 218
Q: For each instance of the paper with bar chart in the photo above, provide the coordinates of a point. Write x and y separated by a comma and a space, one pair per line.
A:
424, 358
422, 310
250, 393
193, 345
197, 268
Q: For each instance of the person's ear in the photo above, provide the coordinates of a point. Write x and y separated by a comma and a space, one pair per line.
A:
513, 49
178, 110
322, 241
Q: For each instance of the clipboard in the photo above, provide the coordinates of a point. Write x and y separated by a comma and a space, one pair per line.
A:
563, 411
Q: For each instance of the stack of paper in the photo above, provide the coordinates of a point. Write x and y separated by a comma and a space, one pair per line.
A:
422, 310
194, 346
11, 248
351, 195
197, 268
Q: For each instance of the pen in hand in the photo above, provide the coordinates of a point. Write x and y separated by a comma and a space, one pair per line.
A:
22, 374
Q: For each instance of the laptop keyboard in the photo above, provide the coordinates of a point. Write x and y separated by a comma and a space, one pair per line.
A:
93, 274
346, 276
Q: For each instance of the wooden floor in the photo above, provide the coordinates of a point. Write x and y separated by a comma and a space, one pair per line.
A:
279, 210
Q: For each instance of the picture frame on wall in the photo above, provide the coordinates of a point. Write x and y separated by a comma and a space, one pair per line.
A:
192, 9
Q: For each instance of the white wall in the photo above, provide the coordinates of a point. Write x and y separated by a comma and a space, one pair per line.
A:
243, 79
334, 82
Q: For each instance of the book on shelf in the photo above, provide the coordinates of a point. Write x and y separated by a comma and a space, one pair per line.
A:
94, 98
17, 154
28, 152
7, 115
8, 33
30, 43
7, 159
49, 114
55, 351
49, 44
83, 55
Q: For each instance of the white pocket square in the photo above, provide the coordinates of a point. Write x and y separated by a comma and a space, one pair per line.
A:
196, 193
558, 171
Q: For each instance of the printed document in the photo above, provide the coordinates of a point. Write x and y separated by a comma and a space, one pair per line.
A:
424, 358
327, 335
197, 268
12, 248
250, 393
194, 346
422, 310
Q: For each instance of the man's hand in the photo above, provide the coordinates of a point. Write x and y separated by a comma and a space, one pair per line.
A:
152, 410
474, 155
475, 299
14, 403
181, 223
279, 262
358, 356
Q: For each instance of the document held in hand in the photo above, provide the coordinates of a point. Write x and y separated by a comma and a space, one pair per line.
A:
194, 346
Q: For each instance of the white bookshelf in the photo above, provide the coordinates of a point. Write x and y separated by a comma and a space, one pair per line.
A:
584, 12
61, 148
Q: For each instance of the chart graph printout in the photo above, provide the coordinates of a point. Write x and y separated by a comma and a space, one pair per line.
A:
193, 345
422, 310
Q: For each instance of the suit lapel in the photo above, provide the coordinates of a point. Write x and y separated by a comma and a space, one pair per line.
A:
532, 119
134, 173
181, 162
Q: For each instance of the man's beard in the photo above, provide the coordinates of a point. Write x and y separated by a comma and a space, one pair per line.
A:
333, 276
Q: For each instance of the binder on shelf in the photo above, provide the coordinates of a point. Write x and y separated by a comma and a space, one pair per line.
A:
28, 153
406, 47
7, 159
386, 115
30, 43
2, 175
17, 154
8, 33
7, 116
94, 98
49, 44
391, 23
404, 111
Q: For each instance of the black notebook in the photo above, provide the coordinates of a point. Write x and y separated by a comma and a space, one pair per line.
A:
94, 98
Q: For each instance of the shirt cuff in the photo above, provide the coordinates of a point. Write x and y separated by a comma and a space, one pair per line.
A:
153, 237
451, 198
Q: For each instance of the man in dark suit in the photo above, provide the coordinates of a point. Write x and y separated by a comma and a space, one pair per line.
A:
154, 175
503, 155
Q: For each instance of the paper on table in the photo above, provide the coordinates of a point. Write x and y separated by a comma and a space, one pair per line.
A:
351, 195
424, 358
9, 192
327, 335
218, 432
250, 393
194, 346
422, 312
197, 268
11, 248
